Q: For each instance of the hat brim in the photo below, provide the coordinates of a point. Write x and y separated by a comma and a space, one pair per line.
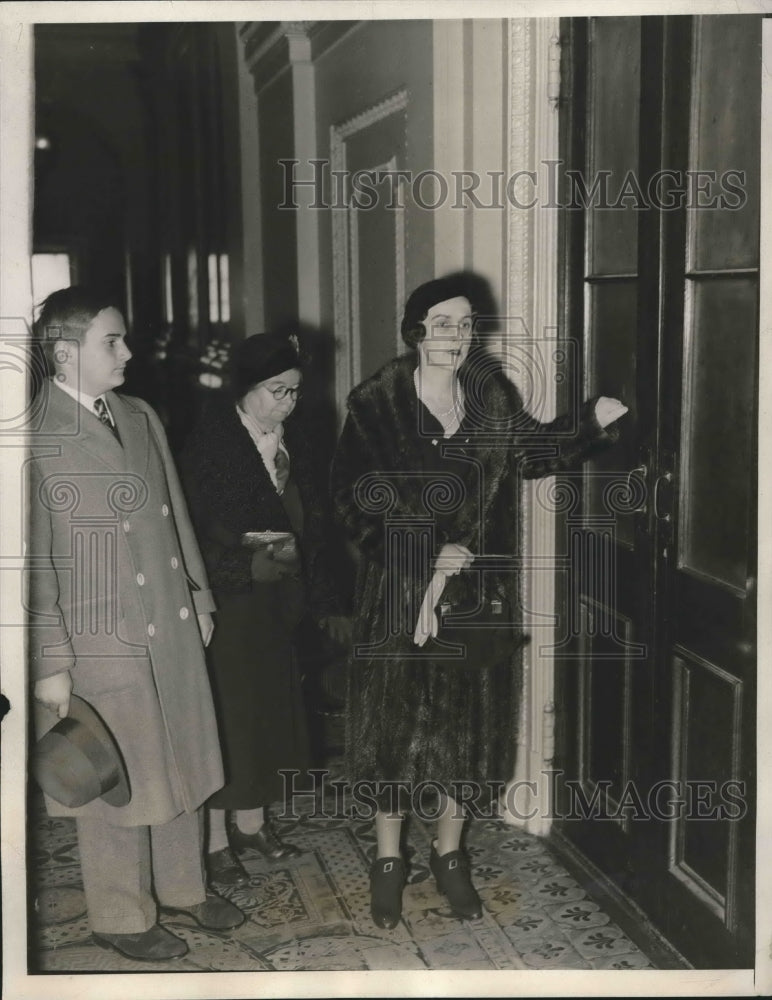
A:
119, 794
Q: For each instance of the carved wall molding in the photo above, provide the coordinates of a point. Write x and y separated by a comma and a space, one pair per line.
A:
368, 117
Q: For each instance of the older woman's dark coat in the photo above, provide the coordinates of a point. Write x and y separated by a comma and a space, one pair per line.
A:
253, 664
401, 491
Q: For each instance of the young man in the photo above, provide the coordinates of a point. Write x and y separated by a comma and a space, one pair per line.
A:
120, 610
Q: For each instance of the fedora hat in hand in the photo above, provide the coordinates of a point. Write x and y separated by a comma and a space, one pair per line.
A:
78, 760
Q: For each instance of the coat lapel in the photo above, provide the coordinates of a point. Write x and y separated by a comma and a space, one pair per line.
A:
84, 429
133, 428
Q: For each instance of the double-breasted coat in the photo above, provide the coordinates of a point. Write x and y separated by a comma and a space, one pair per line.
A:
402, 491
116, 581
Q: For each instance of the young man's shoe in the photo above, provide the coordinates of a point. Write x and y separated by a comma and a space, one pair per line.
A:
213, 914
153, 945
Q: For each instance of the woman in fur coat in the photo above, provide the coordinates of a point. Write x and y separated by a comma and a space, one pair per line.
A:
426, 482
257, 506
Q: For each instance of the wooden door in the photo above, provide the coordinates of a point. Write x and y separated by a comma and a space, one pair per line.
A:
656, 689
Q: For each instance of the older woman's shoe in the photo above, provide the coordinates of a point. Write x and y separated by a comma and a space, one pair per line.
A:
451, 872
387, 879
266, 841
225, 868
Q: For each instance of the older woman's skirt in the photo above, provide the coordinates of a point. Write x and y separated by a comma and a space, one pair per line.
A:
257, 692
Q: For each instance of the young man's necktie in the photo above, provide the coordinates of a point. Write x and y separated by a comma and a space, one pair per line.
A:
100, 408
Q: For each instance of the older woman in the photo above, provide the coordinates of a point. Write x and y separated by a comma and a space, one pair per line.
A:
425, 482
257, 509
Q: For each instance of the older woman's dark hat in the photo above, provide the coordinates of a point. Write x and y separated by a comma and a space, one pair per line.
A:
260, 357
421, 300
77, 760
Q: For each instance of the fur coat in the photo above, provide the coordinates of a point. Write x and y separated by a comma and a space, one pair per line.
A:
401, 492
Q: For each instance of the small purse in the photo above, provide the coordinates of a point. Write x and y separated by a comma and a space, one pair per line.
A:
483, 635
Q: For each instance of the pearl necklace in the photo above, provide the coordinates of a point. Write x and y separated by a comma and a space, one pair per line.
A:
456, 411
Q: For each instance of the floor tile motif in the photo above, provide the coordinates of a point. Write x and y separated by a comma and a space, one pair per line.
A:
313, 912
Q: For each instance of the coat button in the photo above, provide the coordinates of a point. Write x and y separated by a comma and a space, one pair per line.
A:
184, 613
141, 579
174, 562
165, 510
126, 526
151, 629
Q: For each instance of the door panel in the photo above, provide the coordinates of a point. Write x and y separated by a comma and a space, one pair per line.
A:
716, 436
726, 120
607, 696
614, 50
662, 703
707, 742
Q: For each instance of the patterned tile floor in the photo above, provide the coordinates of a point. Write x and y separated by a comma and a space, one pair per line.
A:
312, 913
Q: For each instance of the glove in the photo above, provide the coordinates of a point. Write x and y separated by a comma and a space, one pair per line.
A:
264, 567
427, 624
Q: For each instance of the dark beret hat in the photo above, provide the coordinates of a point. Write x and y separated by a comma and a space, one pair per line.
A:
260, 357
424, 297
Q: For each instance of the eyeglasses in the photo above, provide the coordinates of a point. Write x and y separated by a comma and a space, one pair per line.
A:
280, 392
440, 326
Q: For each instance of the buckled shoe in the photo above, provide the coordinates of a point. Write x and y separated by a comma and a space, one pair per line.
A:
451, 872
387, 879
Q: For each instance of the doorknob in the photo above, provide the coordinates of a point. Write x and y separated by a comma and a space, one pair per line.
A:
632, 487
666, 477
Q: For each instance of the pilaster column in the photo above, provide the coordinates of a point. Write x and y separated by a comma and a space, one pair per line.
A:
306, 149
269, 53
532, 244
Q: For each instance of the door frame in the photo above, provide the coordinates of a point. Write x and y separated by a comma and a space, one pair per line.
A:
531, 320
764, 592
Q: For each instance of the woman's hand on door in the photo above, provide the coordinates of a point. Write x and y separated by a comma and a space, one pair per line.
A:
607, 410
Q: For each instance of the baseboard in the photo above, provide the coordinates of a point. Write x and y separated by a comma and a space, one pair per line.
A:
626, 914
